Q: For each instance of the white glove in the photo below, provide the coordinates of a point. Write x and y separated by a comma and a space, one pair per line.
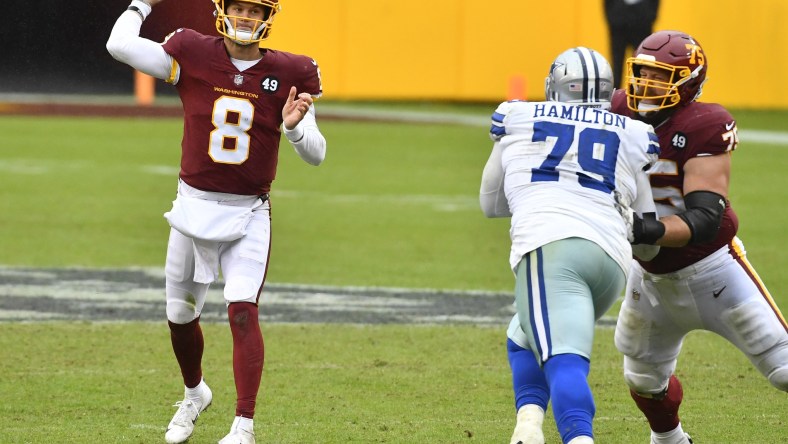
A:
628, 214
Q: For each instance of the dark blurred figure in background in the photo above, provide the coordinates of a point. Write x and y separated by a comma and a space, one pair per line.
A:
628, 23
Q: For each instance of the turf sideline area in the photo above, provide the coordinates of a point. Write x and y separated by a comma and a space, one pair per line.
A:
124, 106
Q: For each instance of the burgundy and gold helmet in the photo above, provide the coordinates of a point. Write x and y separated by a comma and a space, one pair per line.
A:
681, 58
226, 23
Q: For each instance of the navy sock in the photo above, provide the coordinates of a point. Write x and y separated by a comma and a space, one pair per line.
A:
528, 379
573, 403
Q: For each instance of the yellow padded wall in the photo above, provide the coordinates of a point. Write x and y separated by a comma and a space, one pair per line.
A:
471, 50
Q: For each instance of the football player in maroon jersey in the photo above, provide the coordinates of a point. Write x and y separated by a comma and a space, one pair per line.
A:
237, 99
701, 278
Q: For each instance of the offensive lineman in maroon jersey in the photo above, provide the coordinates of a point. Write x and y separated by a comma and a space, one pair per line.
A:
701, 279
236, 96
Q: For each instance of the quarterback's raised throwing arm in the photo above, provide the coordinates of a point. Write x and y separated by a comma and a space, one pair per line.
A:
126, 45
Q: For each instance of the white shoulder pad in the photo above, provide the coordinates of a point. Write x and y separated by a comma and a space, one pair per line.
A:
650, 143
653, 149
498, 127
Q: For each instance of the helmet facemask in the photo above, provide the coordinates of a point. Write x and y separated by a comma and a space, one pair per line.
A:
678, 68
649, 95
253, 30
580, 76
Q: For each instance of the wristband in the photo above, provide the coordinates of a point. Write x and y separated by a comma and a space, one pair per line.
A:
648, 229
294, 135
141, 8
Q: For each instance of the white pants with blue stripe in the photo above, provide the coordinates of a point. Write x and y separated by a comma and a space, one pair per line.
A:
562, 288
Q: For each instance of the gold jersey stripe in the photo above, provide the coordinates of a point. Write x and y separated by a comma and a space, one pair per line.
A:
737, 247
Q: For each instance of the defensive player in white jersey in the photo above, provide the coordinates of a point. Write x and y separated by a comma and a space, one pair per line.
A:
560, 168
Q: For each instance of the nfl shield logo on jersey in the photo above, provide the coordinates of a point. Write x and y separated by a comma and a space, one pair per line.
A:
238, 79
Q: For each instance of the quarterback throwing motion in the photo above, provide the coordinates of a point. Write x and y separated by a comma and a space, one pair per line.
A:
237, 98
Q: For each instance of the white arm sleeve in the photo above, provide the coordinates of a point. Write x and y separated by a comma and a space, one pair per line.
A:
644, 203
307, 140
126, 45
492, 198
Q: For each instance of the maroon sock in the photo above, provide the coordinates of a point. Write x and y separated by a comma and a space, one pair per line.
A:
248, 354
662, 411
187, 343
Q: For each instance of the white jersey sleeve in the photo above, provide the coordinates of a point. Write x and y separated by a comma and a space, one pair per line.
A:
492, 197
643, 200
498, 127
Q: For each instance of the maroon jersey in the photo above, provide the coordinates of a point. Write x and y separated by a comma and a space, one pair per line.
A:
695, 130
232, 119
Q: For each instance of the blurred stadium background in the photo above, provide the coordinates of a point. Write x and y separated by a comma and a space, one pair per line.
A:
456, 50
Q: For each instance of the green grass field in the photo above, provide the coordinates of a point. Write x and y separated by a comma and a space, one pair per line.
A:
394, 205
114, 383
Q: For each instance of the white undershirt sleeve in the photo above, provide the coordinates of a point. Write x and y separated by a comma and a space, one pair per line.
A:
644, 203
126, 45
307, 140
644, 200
492, 198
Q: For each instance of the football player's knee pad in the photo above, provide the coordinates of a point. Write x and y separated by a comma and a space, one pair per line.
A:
647, 378
631, 329
242, 289
755, 327
184, 304
181, 312
775, 366
779, 378
516, 333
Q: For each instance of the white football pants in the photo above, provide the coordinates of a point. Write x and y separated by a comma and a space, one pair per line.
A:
243, 264
721, 293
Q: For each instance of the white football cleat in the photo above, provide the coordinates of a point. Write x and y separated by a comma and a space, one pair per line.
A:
241, 432
680, 438
181, 426
528, 429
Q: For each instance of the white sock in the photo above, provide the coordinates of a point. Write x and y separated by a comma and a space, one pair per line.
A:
675, 436
245, 424
531, 413
194, 394
583, 439
529, 425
